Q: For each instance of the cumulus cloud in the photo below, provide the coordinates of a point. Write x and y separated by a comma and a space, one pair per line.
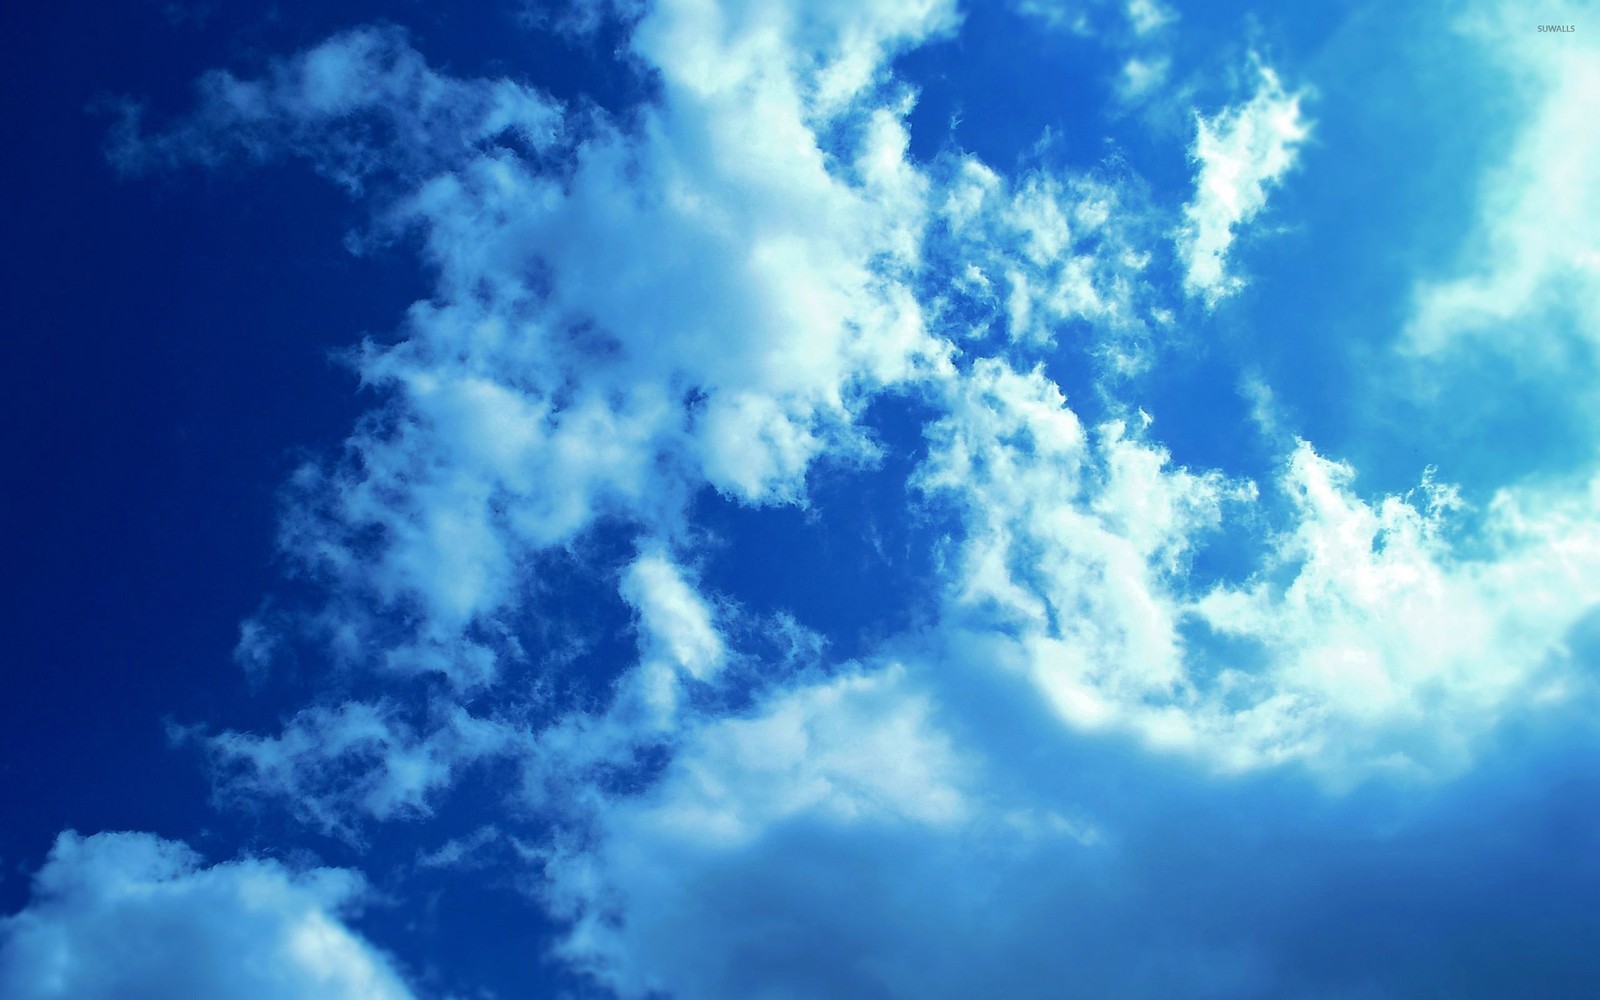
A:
1140, 77
1399, 636
1075, 543
954, 802
964, 821
1233, 890
1242, 152
122, 915
622, 315
1378, 633
709, 295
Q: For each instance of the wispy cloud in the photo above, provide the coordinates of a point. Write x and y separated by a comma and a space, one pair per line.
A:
362, 104
1241, 153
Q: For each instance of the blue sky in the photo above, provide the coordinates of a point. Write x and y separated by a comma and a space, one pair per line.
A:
688, 498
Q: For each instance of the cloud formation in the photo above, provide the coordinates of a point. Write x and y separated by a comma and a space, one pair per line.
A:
362, 105
1132, 670
1044, 259
124, 915
1363, 637
1138, 18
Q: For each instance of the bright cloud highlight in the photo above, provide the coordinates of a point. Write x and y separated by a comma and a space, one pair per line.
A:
1242, 152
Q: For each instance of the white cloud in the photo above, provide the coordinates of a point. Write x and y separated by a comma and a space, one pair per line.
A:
124, 915
1075, 542
1397, 640
674, 621
1242, 152
1374, 634
1140, 77
314, 107
1527, 282
709, 295
1137, 18
1147, 16
857, 752
678, 638
857, 748
895, 815
1042, 252
358, 758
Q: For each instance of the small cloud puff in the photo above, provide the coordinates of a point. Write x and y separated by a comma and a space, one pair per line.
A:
1242, 153
674, 621
1138, 18
1140, 77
